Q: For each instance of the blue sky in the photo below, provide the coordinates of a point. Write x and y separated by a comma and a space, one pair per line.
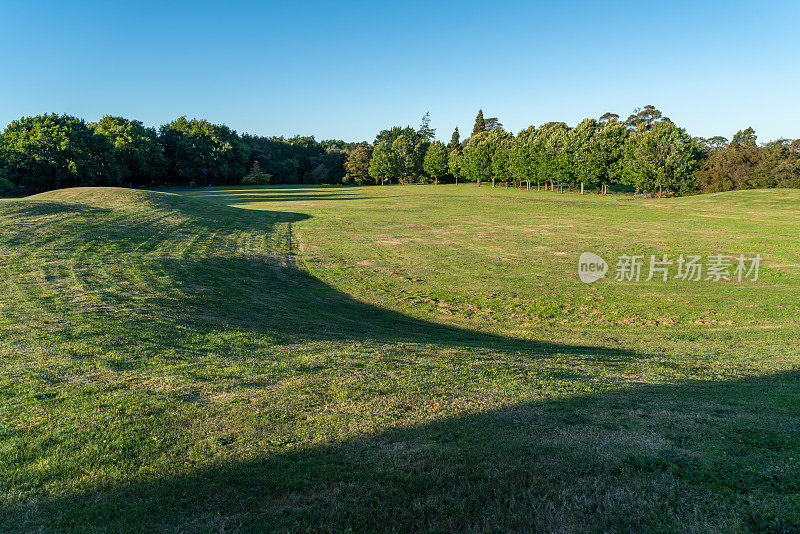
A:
348, 69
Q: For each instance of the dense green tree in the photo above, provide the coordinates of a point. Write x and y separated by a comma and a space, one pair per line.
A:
51, 151
717, 142
5, 183
406, 156
384, 165
357, 165
712, 143
477, 162
647, 150
587, 162
745, 140
394, 132
327, 167
662, 158
478, 154
455, 163
291, 160
524, 155
609, 141
777, 166
597, 150
501, 169
338, 144
420, 150
136, 155
556, 162
199, 151
742, 164
436, 161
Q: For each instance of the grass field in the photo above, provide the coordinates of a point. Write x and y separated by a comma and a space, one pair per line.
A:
394, 358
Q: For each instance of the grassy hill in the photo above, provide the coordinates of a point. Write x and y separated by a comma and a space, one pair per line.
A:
394, 358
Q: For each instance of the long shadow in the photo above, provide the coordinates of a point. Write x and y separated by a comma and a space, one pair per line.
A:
236, 198
696, 456
268, 295
689, 457
258, 292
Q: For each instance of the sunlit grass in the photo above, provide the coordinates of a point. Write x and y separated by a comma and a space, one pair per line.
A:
398, 357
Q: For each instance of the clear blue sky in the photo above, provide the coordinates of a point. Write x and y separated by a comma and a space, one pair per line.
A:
348, 69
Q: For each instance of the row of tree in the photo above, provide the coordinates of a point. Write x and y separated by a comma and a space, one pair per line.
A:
647, 151
52, 151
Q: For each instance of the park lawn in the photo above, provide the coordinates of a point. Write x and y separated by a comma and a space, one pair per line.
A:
394, 358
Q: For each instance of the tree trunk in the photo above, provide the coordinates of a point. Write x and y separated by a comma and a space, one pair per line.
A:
581, 188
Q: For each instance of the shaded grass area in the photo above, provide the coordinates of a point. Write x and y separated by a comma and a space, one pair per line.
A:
173, 363
693, 456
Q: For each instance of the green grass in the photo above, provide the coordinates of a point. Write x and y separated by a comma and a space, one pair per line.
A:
394, 358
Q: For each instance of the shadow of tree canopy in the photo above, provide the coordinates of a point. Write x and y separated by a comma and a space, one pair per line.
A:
234, 197
694, 456
268, 295
136, 253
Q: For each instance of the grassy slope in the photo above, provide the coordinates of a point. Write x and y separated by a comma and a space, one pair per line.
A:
394, 357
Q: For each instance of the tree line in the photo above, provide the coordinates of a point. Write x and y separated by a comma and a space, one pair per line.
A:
647, 151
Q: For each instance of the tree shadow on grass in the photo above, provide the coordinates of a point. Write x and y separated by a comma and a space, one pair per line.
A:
220, 286
270, 296
694, 456
239, 198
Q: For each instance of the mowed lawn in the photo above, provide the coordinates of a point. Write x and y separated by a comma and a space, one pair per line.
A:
394, 358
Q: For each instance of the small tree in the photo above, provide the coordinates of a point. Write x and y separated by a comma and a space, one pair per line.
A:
455, 163
522, 161
383, 165
4, 182
501, 169
256, 176
357, 165
405, 155
436, 161
477, 163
